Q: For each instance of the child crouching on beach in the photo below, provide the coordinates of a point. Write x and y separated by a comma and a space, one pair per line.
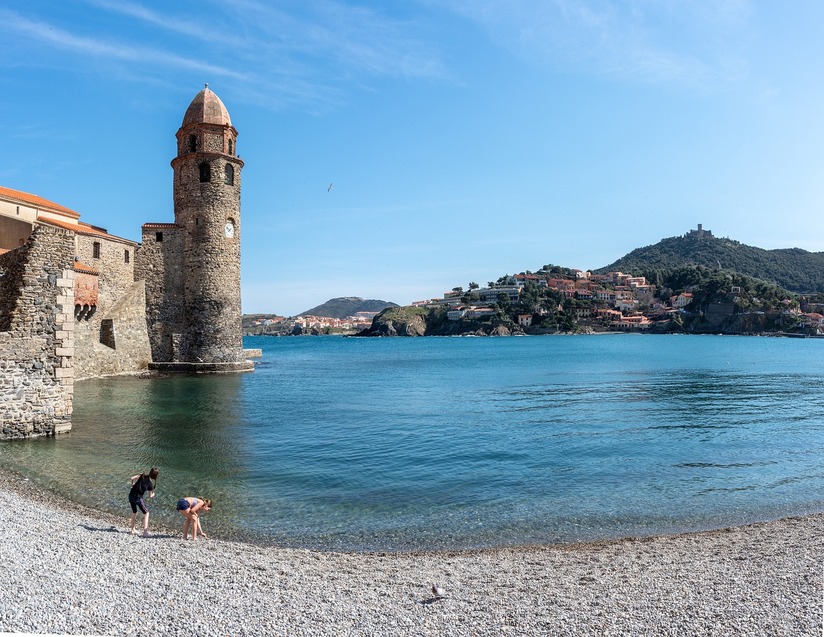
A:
190, 509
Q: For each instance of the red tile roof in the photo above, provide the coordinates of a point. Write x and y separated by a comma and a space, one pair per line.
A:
37, 202
85, 269
85, 228
72, 222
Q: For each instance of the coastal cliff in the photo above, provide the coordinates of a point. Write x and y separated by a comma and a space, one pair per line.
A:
433, 321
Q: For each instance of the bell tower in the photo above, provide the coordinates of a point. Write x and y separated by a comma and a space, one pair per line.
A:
207, 215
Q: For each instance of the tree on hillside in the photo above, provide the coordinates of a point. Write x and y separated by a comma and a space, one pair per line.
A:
530, 298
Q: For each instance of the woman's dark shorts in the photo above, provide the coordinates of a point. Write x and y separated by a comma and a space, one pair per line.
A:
137, 503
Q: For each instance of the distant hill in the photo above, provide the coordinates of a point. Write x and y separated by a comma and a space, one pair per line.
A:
791, 268
344, 306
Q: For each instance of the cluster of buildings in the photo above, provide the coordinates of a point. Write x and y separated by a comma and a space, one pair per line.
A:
360, 321
306, 323
615, 299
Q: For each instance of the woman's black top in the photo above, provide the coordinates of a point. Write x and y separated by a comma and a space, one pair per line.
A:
141, 485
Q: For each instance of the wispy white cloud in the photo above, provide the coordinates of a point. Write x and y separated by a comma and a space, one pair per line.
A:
353, 39
306, 53
46, 34
674, 41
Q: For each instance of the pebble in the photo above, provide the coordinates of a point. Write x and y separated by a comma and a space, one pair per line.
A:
68, 570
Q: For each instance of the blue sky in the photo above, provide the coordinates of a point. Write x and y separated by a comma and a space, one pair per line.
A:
466, 139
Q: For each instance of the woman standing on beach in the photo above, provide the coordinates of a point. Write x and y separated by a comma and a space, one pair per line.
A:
189, 508
140, 484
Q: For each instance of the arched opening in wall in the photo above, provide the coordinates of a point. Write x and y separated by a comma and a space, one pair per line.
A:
229, 174
205, 172
192, 143
231, 147
84, 312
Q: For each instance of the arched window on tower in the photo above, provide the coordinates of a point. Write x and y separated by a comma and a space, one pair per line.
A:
231, 147
229, 174
192, 143
205, 172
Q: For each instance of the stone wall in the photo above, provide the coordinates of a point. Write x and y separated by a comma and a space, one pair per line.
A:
159, 263
36, 335
112, 339
115, 341
12, 271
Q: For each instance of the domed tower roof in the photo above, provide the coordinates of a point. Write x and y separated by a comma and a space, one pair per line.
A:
206, 108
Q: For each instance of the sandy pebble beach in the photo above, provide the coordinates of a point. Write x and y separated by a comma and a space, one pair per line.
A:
68, 570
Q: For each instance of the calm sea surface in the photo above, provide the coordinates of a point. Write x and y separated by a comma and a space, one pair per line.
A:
430, 443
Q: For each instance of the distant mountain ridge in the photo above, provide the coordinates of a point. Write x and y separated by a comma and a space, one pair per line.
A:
344, 306
793, 269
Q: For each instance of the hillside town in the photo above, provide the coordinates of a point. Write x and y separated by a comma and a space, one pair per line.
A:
561, 299
307, 324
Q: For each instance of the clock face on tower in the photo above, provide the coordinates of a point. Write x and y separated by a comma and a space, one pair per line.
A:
229, 229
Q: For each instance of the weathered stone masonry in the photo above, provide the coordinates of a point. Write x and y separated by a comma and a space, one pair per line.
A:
192, 267
36, 335
112, 339
77, 302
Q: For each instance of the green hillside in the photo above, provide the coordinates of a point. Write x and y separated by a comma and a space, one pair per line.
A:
791, 268
344, 306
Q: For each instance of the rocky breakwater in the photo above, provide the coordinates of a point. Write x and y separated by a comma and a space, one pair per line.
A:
434, 321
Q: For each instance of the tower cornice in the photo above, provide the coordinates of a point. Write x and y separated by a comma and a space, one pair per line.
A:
202, 155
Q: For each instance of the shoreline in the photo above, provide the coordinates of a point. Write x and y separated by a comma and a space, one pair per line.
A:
24, 486
71, 570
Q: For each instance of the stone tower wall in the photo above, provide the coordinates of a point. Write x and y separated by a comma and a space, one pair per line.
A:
159, 263
36, 337
212, 306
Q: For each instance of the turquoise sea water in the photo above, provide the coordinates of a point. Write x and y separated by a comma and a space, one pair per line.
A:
433, 443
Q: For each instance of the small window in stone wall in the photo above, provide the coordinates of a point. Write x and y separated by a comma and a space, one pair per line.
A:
229, 175
96, 250
205, 172
126, 256
159, 237
192, 143
231, 147
107, 332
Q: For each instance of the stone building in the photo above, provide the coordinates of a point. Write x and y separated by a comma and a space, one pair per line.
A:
192, 266
70, 308
77, 302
